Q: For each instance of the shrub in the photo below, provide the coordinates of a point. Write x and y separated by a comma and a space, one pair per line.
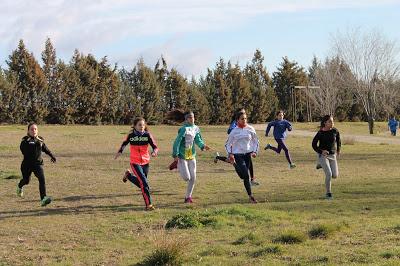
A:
183, 221
168, 255
321, 231
290, 237
251, 237
268, 250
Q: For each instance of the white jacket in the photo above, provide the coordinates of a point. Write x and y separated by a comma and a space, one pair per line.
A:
242, 140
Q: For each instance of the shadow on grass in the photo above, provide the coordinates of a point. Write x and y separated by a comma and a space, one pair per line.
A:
84, 209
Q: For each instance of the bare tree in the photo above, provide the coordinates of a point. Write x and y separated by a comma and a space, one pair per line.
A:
372, 60
330, 79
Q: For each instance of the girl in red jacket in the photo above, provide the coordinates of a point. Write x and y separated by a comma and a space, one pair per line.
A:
139, 139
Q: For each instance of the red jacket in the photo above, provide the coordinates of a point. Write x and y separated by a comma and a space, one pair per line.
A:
139, 142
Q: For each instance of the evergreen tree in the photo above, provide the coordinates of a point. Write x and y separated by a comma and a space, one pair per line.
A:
148, 92
220, 97
52, 81
241, 92
288, 75
197, 103
129, 106
263, 103
31, 85
9, 98
178, 90
162, 74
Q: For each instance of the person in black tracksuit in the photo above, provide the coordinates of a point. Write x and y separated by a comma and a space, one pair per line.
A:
31, 147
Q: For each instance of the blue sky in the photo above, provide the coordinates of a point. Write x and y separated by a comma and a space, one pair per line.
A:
191, 35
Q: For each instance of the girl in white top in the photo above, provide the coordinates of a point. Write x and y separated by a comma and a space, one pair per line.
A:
242, 144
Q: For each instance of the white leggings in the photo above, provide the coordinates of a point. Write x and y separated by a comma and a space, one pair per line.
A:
330, 166
187, 169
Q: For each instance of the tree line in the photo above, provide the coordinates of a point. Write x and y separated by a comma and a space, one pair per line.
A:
90, 91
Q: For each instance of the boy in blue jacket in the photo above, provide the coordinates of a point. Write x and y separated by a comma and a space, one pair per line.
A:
393, 124
280, 126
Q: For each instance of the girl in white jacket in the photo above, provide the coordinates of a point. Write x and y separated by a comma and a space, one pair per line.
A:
242, 144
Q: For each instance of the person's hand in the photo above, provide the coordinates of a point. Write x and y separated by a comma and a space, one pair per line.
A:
176, 158
325, 152
53, 159
253, 154
117, 155
207, 148
337, 153
232, 158
154, 154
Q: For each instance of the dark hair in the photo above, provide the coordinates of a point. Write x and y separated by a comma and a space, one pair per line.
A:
178, 115
31, 124
238, 115
238, 110
137, 120
280, 111
324, 119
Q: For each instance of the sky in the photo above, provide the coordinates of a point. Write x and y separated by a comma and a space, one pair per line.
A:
191, 35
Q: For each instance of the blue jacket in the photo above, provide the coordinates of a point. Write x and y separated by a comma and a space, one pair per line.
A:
232, 126
280, 127
393, 124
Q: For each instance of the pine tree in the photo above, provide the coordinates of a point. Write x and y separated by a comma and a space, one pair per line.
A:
178, 91
220, 97
148, 92
162, 74
288, 75
263, 102
50, 71
31, 85
240, 87
197, 103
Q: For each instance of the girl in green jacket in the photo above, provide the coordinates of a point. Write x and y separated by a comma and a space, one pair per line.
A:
183, 151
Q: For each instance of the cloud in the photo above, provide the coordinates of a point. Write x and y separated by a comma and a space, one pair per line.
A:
188, 61
89, 25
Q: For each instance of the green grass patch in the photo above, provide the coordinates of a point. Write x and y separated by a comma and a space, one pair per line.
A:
275, 249
393, 254
170, 253
214, 251
191, 220
319, 259
321, 231
251, 237
215, 218
290, 237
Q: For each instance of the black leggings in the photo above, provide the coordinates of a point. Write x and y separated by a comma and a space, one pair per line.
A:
26, 170
225, 159
242, 169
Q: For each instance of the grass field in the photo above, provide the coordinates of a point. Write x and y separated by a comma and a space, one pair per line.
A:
96, 219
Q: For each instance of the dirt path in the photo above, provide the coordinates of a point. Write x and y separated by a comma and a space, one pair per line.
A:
357, 138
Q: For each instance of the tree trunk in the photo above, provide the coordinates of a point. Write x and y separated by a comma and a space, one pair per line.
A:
371, 124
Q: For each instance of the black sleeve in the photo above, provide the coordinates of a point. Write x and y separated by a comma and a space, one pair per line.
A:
22, 147
338, 141
46, 150
152, 143
315, 143
124, 143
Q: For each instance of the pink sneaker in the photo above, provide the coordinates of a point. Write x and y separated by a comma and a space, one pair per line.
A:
252, 200
188, 200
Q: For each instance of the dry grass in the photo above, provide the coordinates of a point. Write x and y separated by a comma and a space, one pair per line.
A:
96, 219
